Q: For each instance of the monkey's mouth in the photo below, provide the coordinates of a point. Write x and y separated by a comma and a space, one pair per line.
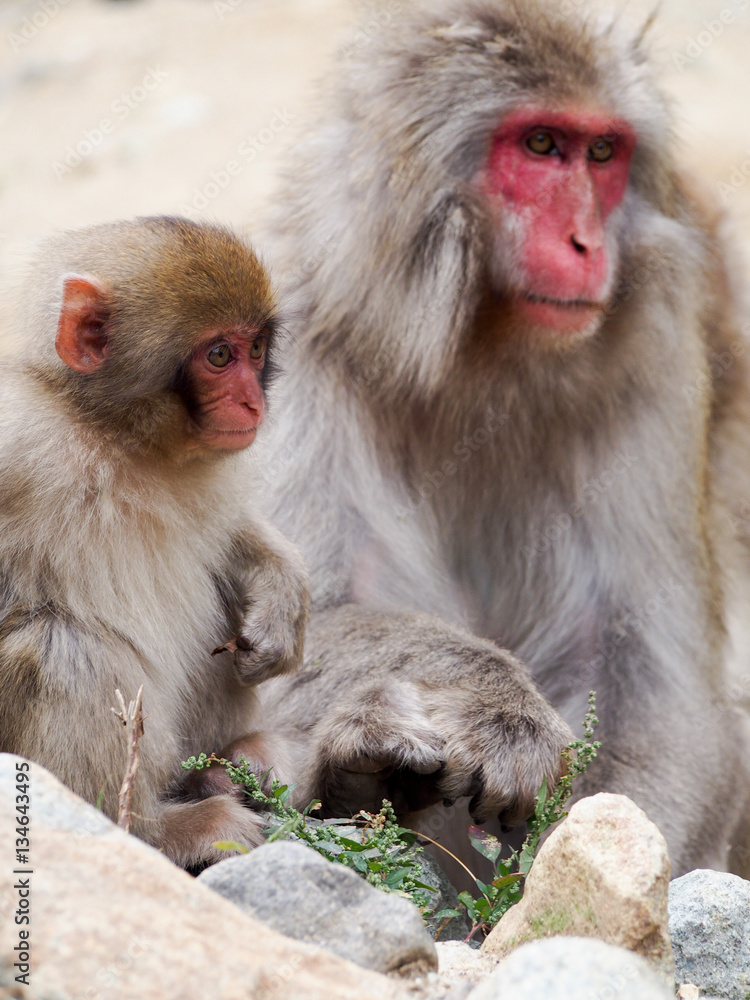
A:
561, 303
561, 315
229, 439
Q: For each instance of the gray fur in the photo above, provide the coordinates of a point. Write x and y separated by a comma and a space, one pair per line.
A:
122, 564
571, 505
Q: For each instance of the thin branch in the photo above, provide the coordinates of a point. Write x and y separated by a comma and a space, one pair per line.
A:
458, 860
132, 718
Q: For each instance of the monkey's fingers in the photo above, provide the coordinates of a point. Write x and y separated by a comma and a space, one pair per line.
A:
267, 647
364, 786
367, 749
502, 767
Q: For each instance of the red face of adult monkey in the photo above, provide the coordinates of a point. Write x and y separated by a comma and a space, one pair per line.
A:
552, 180
510, 304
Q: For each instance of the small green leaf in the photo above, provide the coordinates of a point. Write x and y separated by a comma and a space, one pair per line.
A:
395, 878
352, 845
231, 845
291, 826
541, 798
501, 883
329, 847
406, 837
486, 843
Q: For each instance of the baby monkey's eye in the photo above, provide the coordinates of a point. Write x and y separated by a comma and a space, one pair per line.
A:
219, 356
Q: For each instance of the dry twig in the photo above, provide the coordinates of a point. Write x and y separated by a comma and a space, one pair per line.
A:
132, 718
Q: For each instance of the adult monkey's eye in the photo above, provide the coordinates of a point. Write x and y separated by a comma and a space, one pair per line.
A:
541, 142
601, 150
258, 348
219, 356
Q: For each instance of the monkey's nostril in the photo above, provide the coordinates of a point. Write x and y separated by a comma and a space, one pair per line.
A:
579, 247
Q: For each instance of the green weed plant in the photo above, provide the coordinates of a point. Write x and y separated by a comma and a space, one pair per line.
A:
388, 854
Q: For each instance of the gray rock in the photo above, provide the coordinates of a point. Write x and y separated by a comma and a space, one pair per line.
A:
459, 961
572, 968
113, 919
64, 812
709, 921
444, 897
292, 889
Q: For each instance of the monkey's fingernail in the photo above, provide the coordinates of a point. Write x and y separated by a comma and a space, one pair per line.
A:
229, 647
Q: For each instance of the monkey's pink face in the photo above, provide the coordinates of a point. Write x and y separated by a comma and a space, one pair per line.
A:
226, 397
555, 178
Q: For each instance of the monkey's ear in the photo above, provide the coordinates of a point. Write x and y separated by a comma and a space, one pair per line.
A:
81, 339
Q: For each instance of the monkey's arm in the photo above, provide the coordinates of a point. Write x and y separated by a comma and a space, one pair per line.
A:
403, 706
271, 587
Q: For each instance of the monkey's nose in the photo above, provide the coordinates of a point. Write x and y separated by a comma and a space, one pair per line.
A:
586, 239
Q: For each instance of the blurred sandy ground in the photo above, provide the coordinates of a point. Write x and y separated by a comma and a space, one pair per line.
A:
161, 96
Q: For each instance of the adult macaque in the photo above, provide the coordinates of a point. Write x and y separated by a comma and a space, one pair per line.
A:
127, 549
517, 427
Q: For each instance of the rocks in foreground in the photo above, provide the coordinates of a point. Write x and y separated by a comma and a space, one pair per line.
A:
709, 920
294, 890
603, 873
571, 968
112, 918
